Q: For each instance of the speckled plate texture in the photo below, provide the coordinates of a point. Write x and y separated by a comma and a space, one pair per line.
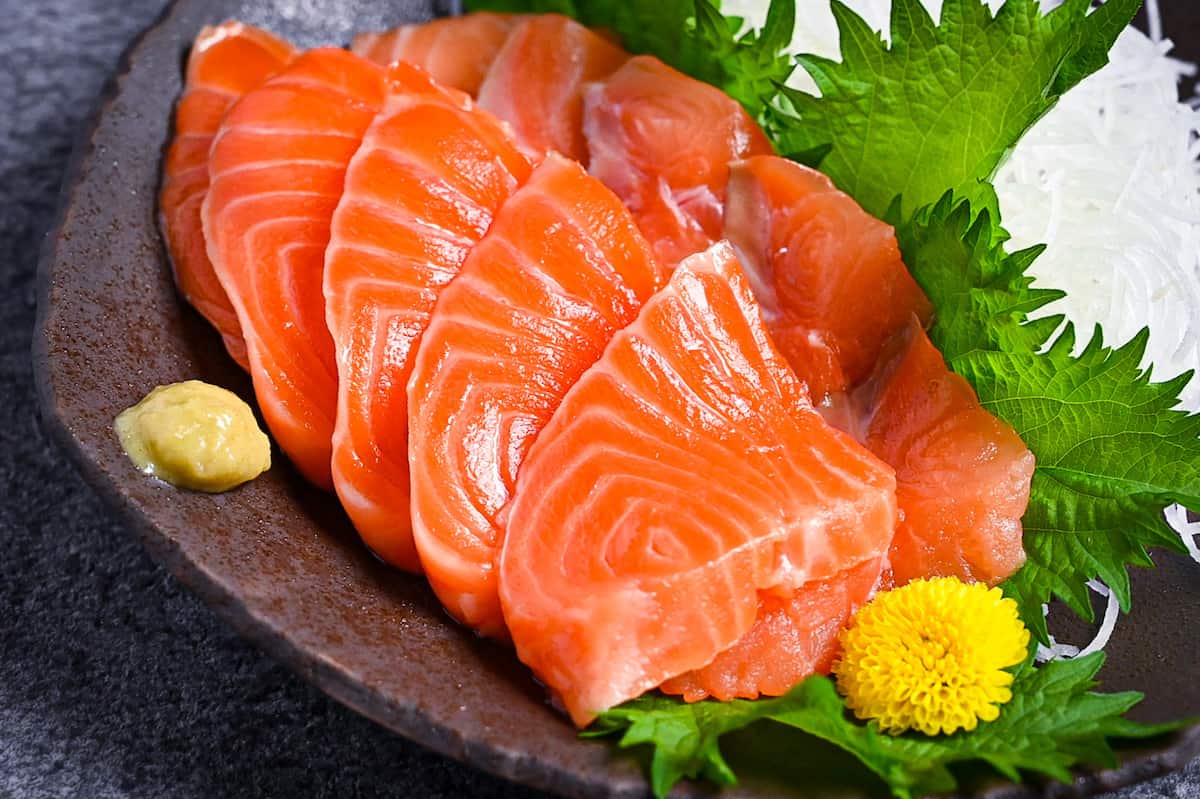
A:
278, 559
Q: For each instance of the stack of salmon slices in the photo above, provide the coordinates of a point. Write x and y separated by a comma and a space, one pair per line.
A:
565, 336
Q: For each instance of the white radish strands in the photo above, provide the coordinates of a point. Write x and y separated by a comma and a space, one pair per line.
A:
1112, 609
1189, 531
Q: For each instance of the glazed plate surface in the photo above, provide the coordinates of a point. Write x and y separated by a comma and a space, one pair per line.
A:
278, 559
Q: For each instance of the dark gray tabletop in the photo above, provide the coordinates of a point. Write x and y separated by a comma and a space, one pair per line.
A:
114, 681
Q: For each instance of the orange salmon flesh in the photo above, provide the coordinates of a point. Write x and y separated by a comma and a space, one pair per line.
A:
634, 394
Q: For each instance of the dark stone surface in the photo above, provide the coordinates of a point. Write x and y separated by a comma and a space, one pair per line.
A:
114, 681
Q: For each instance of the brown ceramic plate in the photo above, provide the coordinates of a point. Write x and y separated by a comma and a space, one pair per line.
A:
279, 560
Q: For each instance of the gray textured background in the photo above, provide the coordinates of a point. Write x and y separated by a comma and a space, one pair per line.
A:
114, 682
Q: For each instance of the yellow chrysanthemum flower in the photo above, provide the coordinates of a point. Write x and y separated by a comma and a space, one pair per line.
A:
931, 656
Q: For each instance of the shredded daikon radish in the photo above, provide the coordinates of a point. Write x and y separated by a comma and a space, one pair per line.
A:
1055, 650
1110, 182
1189, 531
1112, 610
1108, 624
1154, 20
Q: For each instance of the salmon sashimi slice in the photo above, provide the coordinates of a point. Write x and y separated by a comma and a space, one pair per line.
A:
792, 638
277, 167
420, 193
663, 142
536, 82
456, 51
829, 275
963, 476
561, 270
226, 61
685, 474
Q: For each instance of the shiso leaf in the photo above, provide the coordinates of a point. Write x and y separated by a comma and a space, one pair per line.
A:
1112, 450
942, 105
684, 737
1053, 722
